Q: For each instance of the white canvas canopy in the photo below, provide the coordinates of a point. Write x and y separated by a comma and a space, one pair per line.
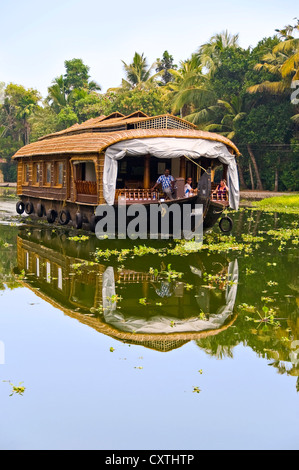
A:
169, 147
161, 324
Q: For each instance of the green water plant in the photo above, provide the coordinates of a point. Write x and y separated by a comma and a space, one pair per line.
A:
16, 389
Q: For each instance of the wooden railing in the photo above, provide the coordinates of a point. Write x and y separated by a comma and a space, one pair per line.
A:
137, 194
223, 197
86, 187
133, 276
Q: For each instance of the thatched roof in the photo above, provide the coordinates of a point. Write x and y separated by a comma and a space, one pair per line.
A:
92, 142
117, 122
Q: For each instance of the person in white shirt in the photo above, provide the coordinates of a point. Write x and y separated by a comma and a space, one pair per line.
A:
188, 190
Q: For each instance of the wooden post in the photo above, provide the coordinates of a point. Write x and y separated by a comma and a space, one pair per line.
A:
224, 172
212, 173
146, 176
101, 160
182, 167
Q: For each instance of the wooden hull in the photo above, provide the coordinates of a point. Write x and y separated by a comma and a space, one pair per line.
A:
41, 207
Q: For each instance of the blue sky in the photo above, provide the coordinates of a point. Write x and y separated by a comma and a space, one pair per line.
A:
36, 37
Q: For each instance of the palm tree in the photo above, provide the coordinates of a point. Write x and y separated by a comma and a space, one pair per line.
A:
23, 113
190, 89
195, 91
57, 94
228, 113
208, 55
138, 72
283, 62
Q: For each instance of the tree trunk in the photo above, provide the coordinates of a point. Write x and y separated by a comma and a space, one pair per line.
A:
251, 177
242, 181
276, 175
276, 180
257, 173
26, 132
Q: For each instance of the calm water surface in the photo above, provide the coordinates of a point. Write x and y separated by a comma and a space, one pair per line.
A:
138, 350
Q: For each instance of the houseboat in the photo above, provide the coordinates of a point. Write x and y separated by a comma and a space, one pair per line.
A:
84, 291
65, 176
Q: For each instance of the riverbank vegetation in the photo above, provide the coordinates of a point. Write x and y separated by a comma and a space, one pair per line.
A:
244, 94
286, 204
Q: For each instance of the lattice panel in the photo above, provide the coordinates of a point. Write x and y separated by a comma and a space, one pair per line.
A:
163, 122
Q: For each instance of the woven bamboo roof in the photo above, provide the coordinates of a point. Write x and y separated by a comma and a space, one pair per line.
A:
117, 121
93, 142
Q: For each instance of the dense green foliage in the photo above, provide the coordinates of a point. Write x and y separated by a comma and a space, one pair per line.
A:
244, 94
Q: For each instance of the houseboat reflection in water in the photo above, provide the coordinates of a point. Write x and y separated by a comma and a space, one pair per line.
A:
137, 305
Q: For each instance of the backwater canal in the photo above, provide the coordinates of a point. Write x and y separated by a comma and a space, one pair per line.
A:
122, 345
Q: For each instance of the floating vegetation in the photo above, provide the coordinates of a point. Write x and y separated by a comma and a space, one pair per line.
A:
79, 238
247, 237
266, 317
16, 389
221, 280
114, 298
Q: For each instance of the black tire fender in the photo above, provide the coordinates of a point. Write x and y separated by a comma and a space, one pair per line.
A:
40, 210
78, 220
223, 222
20, 207
64, 217
51, 216
93, 222
29, 208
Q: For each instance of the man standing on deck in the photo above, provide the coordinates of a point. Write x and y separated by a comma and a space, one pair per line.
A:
167, 182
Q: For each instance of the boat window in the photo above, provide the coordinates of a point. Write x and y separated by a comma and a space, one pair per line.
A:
37, 267
85, 171
27, 261
36, 173
59, 172
48, 174
26, 173
48, 272
59, 279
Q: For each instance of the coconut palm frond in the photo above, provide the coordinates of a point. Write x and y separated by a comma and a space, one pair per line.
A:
268, 67
289, 46
296, 76
239, 116
3, 130
268, 87
227, 120
226, 105
200, 117
290, 65
198, 97
231, 135
216, 127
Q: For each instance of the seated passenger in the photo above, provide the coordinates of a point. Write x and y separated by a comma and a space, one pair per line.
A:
188, 190
221, 190
167, 182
